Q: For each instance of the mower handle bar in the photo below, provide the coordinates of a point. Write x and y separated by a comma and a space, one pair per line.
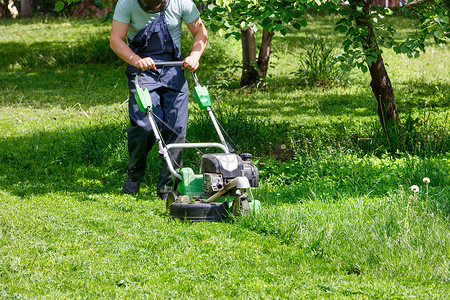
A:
169, 63
177, 63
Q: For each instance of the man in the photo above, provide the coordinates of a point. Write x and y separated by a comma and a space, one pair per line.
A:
145, 31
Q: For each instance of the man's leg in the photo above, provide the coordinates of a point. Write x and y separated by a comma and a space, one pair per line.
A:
140, 141
175, 109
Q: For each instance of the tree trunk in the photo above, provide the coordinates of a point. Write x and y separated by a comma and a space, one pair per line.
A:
26, 8
380, 84
250, 76
264, 53
384, 93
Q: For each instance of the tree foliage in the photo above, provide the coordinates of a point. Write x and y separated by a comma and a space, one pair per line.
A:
242, 18
431, 20
274, 15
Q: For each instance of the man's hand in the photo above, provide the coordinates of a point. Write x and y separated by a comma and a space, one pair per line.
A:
145, 63
191, 63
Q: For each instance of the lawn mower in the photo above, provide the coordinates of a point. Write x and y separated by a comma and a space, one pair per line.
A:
223, 185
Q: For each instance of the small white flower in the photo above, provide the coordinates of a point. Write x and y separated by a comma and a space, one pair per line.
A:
283, 147
426, 180
415, 188
278, 194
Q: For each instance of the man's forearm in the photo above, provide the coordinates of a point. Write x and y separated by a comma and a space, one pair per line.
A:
200, 38
124, 52
199, 45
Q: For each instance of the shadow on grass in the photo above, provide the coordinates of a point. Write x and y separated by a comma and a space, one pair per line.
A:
87, 160
94, 158
420, 94
93, 49
66, 86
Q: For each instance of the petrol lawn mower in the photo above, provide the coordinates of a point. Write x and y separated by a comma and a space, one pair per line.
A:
223, 186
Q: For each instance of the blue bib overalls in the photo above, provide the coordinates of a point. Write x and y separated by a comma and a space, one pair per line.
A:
169, 92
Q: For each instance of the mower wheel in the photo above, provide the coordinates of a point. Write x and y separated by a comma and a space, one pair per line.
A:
212, 212
171, 198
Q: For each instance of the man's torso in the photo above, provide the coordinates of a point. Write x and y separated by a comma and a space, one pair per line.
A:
129, 11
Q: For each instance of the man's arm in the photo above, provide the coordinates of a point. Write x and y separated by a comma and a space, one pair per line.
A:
200, 36
117, 43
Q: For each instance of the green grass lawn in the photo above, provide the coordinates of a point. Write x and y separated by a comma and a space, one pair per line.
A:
339, 220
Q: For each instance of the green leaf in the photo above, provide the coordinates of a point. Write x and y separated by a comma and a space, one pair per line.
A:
266, 23
404, 49
344, 67
59, 5
364, 68
347, 44
438, 34
341, 28
356, 15
350, 61
342, 20
214, 27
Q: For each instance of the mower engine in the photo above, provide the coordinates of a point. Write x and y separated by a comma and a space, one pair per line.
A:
219, 169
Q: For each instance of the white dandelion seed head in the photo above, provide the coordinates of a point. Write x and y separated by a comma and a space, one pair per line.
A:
415, 188
283, 147
426, 180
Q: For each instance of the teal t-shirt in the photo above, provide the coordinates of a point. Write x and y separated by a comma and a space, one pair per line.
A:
129, 11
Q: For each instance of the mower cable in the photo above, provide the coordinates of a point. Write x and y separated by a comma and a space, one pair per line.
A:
196, 79
173, 131
187, 141
197, 82
147, 112
229, 138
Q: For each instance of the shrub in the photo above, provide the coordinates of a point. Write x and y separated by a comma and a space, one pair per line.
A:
318, 64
